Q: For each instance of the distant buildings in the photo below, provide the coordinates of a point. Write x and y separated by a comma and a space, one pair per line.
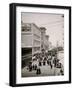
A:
42, 30
44, 39
46, 42
33, 38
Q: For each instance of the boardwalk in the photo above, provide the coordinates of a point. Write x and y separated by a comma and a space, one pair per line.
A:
51, 66
45, 71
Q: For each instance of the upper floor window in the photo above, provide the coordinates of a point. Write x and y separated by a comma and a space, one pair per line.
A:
26, 27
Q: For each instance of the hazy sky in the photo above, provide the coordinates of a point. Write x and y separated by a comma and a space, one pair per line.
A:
52, 22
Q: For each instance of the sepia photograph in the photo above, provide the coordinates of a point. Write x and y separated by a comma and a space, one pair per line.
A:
42, 44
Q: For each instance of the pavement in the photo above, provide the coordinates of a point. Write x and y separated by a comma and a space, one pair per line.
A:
45, 71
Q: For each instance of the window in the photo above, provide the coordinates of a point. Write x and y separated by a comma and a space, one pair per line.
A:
26, 27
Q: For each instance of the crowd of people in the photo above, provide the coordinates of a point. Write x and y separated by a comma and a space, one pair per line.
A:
43, 59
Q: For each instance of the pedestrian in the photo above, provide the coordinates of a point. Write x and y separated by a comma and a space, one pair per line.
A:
61, 71
30, 68
48, 62
51, 66
45, 59
40, 64
38, 71
44, 63
35, 67
55, 62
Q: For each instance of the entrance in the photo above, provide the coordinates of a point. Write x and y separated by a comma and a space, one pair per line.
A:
26, 54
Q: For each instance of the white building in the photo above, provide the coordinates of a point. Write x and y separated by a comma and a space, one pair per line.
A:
30, 37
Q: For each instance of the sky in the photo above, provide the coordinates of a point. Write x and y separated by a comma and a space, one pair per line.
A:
54, 24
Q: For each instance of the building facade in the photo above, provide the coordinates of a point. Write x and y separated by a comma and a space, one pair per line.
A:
43, 31
46, 42
44, 39
31, 37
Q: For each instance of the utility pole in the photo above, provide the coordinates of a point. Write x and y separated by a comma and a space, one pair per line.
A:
57, 49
